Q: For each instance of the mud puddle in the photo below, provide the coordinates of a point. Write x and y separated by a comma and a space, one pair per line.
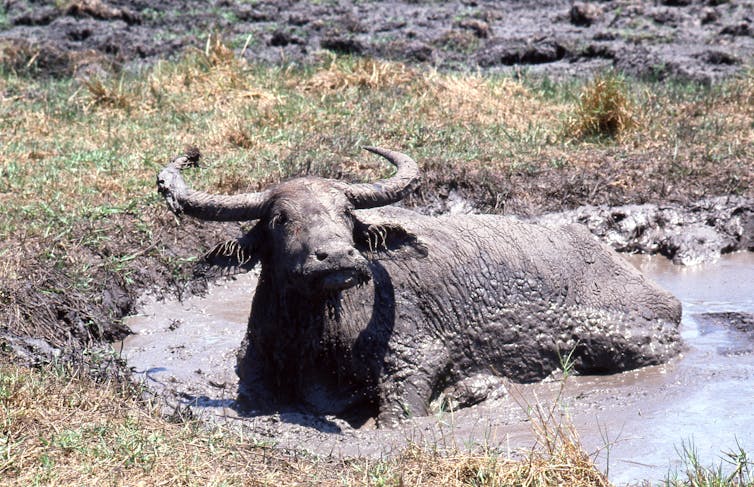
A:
634, 422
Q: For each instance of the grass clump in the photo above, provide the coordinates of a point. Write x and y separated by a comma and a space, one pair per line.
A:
567, 465
107, 94
346, 73
735, 470
604, 109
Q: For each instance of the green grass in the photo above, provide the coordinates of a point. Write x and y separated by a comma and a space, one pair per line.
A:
4, 23
69, 145
736, 469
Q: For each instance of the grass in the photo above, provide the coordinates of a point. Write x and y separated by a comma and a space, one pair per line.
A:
65, 425
60, 427
81, 222
735, 469
72, 146
604, 109
108, 136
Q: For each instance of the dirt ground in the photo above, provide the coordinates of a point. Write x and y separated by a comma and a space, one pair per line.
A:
702, 40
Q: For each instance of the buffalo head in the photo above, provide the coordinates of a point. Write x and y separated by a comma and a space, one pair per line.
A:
307, 231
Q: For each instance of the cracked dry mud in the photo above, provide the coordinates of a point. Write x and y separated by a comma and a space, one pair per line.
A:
703, 40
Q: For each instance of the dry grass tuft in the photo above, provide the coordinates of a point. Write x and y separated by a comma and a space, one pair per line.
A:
240, 137
567, 465
92, 8
478, 99
604, 109
17, 55
30, 58
217, 53
107, 94
343, 74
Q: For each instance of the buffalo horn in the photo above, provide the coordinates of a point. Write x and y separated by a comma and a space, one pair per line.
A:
385, 191
182, 199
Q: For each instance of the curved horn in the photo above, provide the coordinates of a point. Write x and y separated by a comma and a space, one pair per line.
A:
386, 191
182, 199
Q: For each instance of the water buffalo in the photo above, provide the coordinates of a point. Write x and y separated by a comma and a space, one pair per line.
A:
364, 306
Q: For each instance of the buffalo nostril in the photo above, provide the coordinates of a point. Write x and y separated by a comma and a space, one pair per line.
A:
321, 255
351, 252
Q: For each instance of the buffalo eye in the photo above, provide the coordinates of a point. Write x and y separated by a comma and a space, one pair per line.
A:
279, 219
348, 216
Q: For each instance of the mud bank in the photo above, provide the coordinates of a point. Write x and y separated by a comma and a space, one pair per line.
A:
692, 40
687, 235
185, 352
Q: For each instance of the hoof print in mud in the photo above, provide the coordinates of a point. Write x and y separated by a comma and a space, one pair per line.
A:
363, 307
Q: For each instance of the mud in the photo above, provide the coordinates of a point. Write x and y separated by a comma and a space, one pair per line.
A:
47, 317
687, 234
633, 421
701, 40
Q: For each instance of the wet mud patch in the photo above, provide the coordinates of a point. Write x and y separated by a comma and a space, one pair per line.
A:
743, 322
687, 234
186, 352
71, 296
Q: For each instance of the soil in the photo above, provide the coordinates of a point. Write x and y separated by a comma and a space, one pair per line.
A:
48, 315
701, 40
686, 234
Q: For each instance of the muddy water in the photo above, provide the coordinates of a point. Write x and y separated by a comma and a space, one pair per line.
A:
704, 398
186, 350
633, 422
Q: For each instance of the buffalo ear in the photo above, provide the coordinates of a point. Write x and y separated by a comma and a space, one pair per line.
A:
386, 240
231, 257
